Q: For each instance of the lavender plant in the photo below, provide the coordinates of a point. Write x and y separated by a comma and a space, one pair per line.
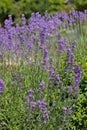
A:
40, 78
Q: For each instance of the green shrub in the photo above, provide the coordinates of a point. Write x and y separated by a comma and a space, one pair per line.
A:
17, 7
80, 116
5, 6
55, 5
80, 4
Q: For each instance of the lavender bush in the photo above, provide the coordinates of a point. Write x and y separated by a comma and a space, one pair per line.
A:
40, 78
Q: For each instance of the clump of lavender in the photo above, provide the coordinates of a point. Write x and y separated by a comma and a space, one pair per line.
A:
38, 106
74, 87
44, 113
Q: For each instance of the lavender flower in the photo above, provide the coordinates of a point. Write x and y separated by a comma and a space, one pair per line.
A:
73, 45
64, 112
1, 85
76, 78
41, 105
61, 44
27, 102
73, 12
41, 87
70, 90
51, 60
46, 116
81, 16
64, 15
1, 54
69, 111
33, 104
28, 58
69, 58
51, 75
59, 35
30, 93
77, 69
57, 79
43, 35
23, 19
28, 46
45, 53
10, 19
29, 98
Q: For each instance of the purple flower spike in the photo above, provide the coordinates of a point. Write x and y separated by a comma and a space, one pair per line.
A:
33, 105
1, 85
29, 98
76, 78
0, 54
61, 44
43, 35
64, 108
73, 45
23, 19
41, 87
51, 60
30, 92
64, 112
46, 116
73, 12
57, 79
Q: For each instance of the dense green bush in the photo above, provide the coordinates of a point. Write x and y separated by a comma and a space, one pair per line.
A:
17, 7
80, 116
5, 7
55, 5
80, 4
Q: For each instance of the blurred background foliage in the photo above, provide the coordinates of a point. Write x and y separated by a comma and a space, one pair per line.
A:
17, 7
81, 4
